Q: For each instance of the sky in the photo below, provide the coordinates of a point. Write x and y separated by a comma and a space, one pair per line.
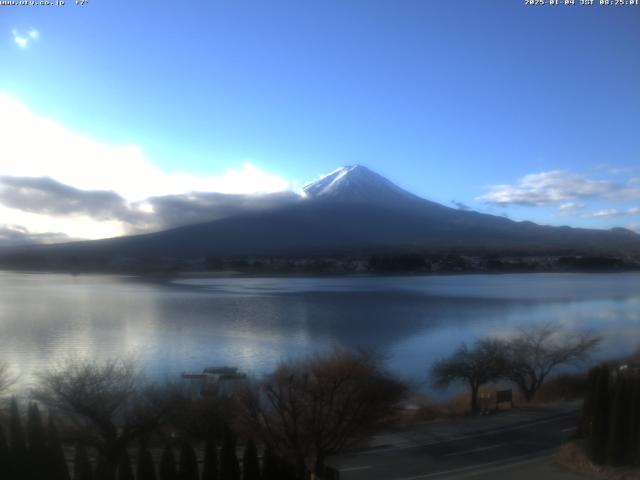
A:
112, 113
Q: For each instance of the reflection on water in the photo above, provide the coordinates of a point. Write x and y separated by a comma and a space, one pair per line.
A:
253, 323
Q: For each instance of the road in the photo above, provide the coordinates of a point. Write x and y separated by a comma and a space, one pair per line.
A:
515, 444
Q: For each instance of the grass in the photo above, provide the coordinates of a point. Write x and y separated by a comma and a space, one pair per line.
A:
559, 389
573, 457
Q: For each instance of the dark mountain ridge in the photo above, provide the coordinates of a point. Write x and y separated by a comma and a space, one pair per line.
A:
352, 211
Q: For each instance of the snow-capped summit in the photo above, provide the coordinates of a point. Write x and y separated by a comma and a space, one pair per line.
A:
356, 184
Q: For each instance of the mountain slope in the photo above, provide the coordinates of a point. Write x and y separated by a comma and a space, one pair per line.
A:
351, 211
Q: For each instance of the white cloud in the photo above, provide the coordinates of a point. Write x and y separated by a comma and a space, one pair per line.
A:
614, 212
34, 146
23, 40
570, 208
557, 187
81, 226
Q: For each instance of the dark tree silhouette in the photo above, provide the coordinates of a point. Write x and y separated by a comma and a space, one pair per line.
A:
59, 470
5, 466
16, 432
194, 415
210, 471
188, 462
535, 353
286, 470
229, 466
584, 425
597, 444
104, 469
81, 464
617, 447
38, 462
269, 465
35, 431
634, 423
19, 464
145, 469
125, 471
168, 470
250, 463
485, 362
613, 432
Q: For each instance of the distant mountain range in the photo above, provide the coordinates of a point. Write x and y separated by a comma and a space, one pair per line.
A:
350, 212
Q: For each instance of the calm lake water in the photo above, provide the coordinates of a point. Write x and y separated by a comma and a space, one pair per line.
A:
254, 323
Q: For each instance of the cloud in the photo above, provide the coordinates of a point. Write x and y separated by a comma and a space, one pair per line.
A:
616, 169
55, 179
557, 187
47, 196
614, 212
175, 210
11, 235
570, 208
23, 40
85, 163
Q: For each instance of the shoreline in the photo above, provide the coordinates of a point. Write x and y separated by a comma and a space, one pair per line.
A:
164, 275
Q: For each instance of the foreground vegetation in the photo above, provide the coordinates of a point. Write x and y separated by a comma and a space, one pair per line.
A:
610, 423
38, 454
607, 444
296, 417
300, 414
525, 359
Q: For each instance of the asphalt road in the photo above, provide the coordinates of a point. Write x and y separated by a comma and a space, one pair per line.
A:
515, 444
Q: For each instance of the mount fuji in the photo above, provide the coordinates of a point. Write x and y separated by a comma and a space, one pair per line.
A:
357, 184
351, 211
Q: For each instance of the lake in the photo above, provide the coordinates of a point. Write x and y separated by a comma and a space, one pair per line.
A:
254, 323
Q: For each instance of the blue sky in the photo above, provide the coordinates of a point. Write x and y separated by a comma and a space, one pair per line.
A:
530, 112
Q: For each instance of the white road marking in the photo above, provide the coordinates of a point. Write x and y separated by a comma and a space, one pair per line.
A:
481, 449
375, 451
488, 467
570, 429
353, 469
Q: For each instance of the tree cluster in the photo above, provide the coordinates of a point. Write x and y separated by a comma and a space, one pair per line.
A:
525, 359
313, 408
34, 452
124, 428
610, 420
107, 403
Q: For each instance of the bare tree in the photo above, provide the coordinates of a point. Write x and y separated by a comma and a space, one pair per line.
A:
536, 352
194, 415
485, 362
319, 406
6, 379
106, 401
